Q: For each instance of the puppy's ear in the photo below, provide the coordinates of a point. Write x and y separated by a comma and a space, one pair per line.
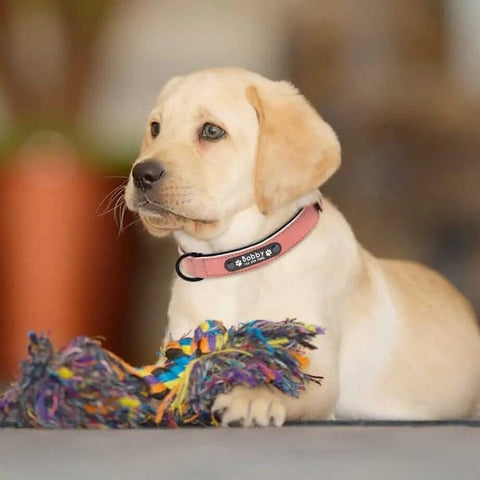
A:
296, 150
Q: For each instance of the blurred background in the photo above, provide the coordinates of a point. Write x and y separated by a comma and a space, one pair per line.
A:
399, 80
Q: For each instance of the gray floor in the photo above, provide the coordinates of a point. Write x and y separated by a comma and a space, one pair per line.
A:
293, 453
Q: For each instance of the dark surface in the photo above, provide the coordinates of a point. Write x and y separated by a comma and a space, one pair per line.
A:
325, 451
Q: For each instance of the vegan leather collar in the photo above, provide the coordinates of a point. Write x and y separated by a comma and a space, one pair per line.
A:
194, 266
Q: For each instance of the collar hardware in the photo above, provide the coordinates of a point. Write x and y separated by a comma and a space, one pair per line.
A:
199, 266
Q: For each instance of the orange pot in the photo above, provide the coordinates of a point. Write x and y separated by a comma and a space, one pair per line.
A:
64, 269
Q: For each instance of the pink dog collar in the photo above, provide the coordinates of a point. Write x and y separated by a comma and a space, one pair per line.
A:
201, 266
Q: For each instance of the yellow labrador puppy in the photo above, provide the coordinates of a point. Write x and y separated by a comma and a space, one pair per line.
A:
228, 161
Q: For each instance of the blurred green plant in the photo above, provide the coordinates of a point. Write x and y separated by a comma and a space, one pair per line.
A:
54, 104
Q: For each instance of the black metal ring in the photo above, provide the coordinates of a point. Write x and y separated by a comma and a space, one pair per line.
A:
177, 267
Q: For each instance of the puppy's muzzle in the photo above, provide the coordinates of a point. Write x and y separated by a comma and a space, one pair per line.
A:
147, 173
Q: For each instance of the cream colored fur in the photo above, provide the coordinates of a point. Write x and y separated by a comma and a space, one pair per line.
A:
400, 342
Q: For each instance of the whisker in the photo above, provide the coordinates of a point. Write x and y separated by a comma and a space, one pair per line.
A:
110, 210
134, 222
113, 199
120, 197
119, 189
122, 208
116, 189
118, 205
122, 218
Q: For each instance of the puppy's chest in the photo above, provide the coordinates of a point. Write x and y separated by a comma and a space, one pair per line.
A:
234, 299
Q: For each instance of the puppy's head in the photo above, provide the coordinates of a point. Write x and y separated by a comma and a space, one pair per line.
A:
220, 141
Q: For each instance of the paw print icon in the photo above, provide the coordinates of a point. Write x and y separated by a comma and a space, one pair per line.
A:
268, 253
238, 263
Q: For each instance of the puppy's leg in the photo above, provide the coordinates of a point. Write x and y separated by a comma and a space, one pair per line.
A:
265, 406
251, 407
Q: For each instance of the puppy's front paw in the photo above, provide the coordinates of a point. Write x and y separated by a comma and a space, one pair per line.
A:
250, 407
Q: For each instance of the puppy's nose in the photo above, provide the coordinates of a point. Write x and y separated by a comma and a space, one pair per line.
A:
145, 174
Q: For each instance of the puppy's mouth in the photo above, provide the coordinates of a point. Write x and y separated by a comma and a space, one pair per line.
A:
160, 220
150, 208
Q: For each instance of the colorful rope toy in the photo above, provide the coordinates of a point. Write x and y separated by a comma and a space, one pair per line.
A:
86, 386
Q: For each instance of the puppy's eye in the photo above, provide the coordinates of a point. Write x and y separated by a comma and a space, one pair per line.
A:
212, 132
154, 129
